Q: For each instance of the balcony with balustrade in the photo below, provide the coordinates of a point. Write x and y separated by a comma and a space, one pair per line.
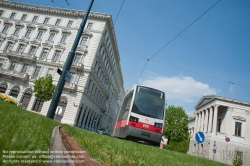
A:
70, 87
77, 66
15, 75
14, 55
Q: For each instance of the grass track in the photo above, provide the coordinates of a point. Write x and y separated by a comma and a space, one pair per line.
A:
24, 130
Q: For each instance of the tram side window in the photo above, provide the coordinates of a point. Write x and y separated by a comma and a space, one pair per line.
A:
125, 107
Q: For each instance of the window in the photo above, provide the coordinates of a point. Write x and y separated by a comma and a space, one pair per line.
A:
44, 54
70, 24
34, 19
50, 72
72, 78
40, 35
12, 66
89, 26
1, 12
37, 71
84, 41
51, 37
28, 33
63, 40
20, 48
5, 29
24, 17
32, 50
219, 125
58, 22
17, 31
78, 58
25, 68
9, 46
1, 42
12, 16
238, 129
46, 21
57, 55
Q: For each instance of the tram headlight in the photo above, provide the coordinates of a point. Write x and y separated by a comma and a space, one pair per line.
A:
158, 125
133, 119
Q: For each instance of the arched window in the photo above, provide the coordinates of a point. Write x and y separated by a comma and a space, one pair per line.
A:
3, 88
14, 92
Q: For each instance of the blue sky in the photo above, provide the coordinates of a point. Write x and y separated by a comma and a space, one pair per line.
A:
217, 46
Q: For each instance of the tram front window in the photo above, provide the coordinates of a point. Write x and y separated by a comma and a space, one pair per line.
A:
149, 102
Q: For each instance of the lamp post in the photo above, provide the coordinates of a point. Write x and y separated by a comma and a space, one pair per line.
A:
66, 67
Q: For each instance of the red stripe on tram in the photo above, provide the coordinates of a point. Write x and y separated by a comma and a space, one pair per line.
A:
145, 126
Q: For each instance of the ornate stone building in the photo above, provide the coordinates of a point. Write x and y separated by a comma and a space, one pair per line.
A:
35, 41
225, 123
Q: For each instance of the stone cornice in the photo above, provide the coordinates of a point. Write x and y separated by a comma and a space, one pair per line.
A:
60, 12
59, 65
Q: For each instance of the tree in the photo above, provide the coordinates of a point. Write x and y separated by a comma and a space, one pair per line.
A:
43, 88
176, 124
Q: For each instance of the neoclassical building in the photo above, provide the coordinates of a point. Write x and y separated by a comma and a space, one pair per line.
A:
35, 41
225, 123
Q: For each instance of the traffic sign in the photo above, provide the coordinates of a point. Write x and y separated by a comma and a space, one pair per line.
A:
227, 139
58, 110
68, 77
199, 137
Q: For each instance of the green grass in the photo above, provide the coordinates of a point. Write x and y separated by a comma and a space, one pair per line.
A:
24, 130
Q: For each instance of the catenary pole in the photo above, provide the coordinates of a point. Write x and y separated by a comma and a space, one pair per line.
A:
67, 65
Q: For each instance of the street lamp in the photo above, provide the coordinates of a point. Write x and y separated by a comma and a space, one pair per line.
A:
66, 67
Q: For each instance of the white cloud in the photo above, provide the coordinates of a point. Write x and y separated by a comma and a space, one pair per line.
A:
179, 88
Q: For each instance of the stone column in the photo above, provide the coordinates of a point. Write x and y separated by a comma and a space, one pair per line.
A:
97, 118
210, 119
84, 118
88, 120
206, 121
81, 117
199, 121
92, 121
202, 120
215, 119
196, 122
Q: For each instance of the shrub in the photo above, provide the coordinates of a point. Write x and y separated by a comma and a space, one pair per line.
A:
237, 159
178, 146
8, 99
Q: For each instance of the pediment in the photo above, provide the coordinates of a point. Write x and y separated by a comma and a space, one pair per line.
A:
23, 40
204, 100
87, 34
54, 30
47, 44
42, 28
18, 24
240, 118
81, 48
2, 36
7, 22
59, 46
12, 38
35, 42
66, 32
30, 26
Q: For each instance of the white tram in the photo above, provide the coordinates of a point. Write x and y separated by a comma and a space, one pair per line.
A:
141, 116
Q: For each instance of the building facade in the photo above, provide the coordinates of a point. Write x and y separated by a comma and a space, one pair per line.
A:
225, 123
35, 42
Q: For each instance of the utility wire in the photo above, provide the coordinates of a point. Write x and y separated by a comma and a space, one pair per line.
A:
58, 4
119, 11
185, 29
142, 71
179, 35
176, 67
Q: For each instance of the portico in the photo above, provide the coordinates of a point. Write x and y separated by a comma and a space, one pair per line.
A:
219, 118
